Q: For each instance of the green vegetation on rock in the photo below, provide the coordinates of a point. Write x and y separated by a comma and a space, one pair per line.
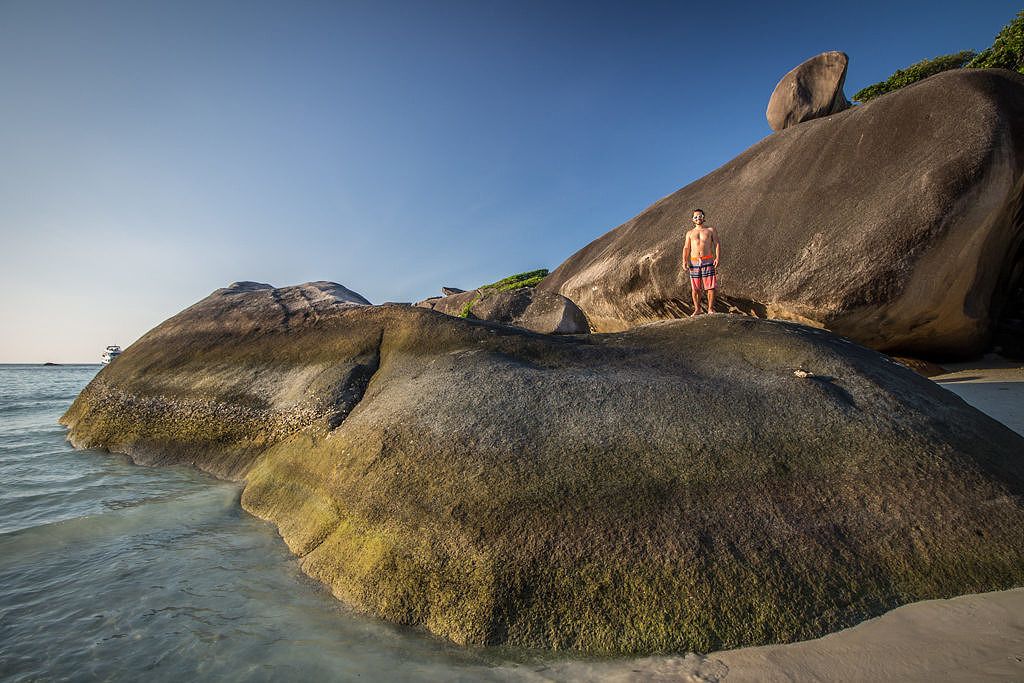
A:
467, 308
914, 73
530, 278
1007, 51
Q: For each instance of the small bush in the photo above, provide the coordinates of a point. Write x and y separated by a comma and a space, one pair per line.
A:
1007, 51
915, 72
528, 279
518, 281
467, 308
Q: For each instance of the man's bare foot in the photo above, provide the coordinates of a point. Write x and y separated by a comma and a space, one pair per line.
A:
695, 314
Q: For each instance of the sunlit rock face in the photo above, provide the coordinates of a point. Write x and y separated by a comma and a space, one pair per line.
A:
682, 486
898, 223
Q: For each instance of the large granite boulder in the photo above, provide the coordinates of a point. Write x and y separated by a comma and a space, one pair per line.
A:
527, 307
897, 223
810, 91
687, 485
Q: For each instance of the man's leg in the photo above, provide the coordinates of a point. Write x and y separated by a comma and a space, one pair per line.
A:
696, 299
711, 301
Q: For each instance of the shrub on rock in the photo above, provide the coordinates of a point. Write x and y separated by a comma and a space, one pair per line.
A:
913, 74
1007, 51
515, 301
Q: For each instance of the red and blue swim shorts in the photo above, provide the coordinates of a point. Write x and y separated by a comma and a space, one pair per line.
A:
702, 274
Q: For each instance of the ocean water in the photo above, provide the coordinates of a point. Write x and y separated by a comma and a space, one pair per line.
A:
112, 571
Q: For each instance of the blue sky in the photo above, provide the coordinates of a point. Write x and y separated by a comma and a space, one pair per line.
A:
153, 152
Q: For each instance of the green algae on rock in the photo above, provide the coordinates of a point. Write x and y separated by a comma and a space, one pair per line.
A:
673, 487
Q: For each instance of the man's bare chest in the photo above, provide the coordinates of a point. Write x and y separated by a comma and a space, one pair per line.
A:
701, 236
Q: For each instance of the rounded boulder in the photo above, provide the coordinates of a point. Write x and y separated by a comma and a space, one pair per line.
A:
810, 91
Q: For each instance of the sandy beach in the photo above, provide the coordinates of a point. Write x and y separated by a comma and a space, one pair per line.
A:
969, 638
993, 385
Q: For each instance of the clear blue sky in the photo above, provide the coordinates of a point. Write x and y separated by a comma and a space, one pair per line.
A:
154, 151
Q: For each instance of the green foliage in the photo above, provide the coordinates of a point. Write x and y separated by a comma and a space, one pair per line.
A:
914, 73
528, 279
467, 308
518, 281
1007, 51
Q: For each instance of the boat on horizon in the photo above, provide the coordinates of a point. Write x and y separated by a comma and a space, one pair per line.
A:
111, 352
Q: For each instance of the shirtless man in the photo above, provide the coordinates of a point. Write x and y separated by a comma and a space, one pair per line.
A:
701, 254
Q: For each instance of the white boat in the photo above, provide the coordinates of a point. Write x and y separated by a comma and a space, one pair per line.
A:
112, 352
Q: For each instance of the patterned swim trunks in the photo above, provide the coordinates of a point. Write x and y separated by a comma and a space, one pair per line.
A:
702, 274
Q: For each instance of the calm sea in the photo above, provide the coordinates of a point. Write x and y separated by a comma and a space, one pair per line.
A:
111, 571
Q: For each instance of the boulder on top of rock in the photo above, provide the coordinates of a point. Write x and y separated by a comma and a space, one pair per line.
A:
448, 291
527, 307
898, 223
810, 91
671, 488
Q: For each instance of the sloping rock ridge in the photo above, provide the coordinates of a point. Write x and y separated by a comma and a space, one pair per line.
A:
682, 486
898, 223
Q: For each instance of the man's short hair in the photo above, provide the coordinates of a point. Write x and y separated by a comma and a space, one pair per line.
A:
696, 210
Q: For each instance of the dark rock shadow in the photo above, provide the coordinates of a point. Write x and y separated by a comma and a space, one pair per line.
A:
827, 385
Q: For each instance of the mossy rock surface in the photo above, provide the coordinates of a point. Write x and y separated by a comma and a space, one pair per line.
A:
673, 487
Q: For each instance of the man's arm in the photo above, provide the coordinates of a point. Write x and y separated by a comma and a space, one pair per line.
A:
686, 250
718, 247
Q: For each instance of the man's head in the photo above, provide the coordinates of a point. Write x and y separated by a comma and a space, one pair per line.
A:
698, 217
